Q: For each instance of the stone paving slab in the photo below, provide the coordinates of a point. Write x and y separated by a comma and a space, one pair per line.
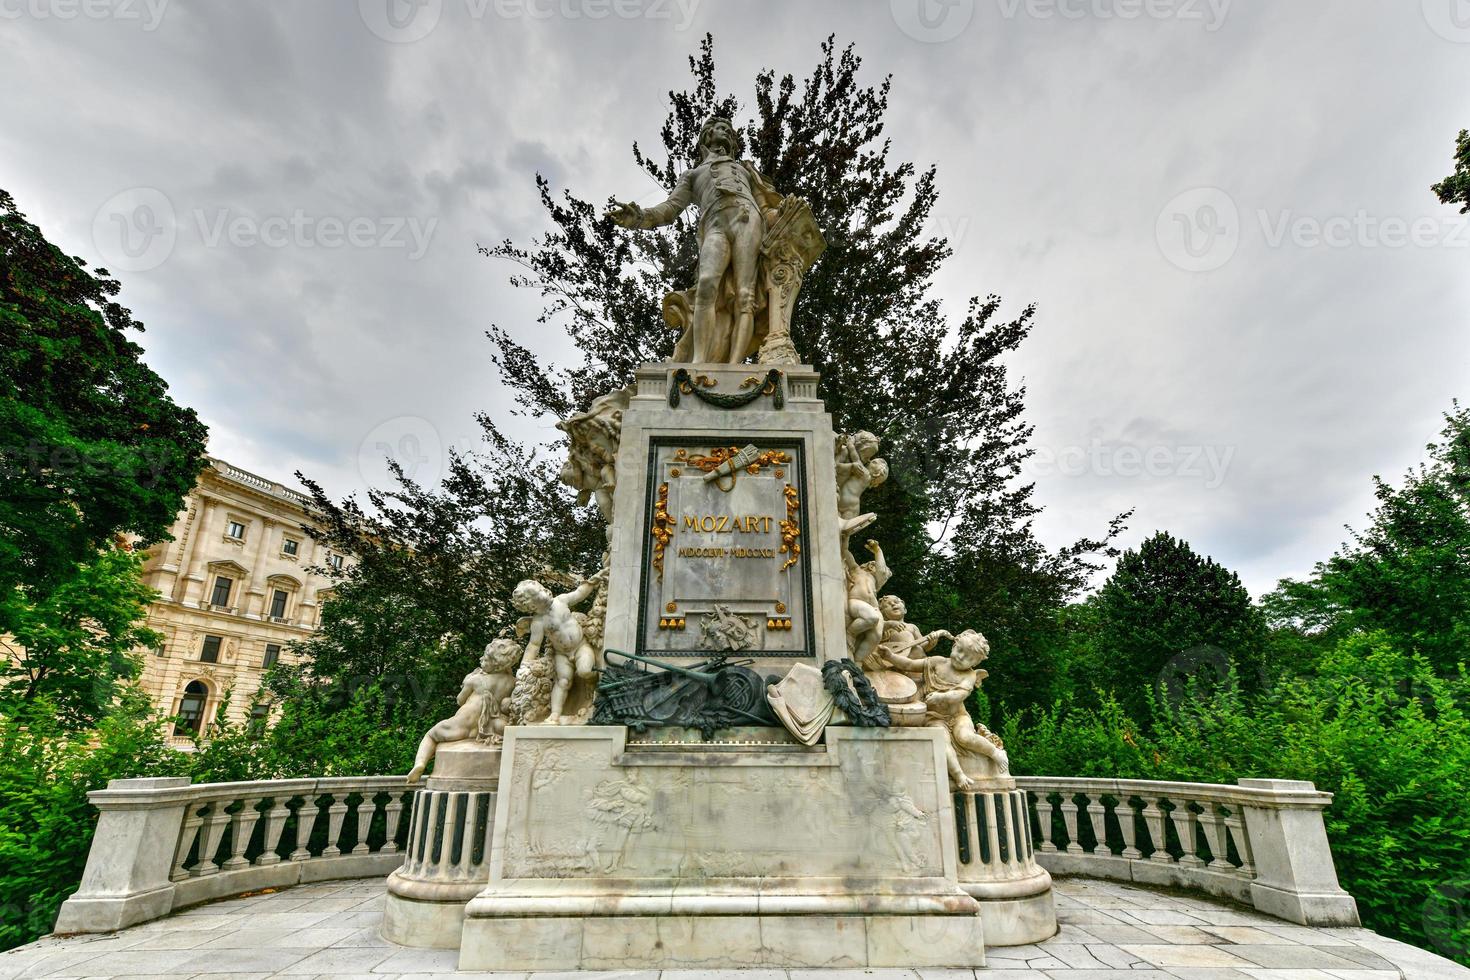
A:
329, 931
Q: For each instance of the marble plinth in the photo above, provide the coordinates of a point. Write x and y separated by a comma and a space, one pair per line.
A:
610, 855
447, 860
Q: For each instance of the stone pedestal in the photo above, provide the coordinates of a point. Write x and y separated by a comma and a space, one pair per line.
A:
682, 544
997, 864
447, 860
660, 855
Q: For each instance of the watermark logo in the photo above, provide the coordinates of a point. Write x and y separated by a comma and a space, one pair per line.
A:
1199, 230
135, 230
1447, 919
1203, 667
406, 21
1450, 19
300, 229
148, 14
409, 441
1210, 14
1208, 465
932, 21
1362, 230
400, 21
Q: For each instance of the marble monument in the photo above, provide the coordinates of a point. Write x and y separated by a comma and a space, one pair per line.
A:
727, 747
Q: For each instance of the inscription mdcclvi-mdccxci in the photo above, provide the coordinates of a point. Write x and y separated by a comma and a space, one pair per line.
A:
723, 570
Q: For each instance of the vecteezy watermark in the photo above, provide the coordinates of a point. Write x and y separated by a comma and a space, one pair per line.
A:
135, 230
408, 441
1207, 464
1450, 19
1199, 230
148, 14
1447, 919
932, 21
1210, 14
1362, 230
406, 21
300, 229
1203, 667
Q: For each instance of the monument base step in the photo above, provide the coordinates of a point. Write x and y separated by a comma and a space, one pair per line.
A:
690, 941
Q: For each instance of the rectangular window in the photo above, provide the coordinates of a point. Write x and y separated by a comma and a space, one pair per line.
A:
272, 654
236, 530
210, 653
259, 715
336, 562
278, 604
290, 546
221, 596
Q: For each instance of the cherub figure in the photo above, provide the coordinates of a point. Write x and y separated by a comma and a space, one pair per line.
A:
549, 620
858, 468
900, 637
948, 683
484, 701
864, 621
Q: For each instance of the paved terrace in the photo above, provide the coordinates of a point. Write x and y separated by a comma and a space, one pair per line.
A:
330, 930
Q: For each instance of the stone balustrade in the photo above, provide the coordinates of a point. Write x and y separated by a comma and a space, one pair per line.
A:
163, 844
1262, 842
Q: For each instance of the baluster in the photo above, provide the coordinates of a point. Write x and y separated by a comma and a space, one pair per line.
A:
394, 812
275, 822
366, 807
1185, 822
215, 822
1236, 824
1214, 825
1153, 818
307, 814
242, 827
1125, 813
336, 813
1069, 818
1043, 815
992, 831
192, 820
1098, 815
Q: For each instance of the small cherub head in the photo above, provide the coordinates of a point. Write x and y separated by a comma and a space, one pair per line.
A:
866, 445
970, 650
500, 656
893, 608
531, 597
877, 472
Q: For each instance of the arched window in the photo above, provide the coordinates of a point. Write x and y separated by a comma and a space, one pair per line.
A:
191, 709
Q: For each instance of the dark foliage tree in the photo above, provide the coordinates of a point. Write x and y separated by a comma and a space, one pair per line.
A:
935, 391
1168, 616
430, 562
1455, 189
1408, 573
91, 445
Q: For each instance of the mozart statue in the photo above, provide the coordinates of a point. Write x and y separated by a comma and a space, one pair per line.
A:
754, 247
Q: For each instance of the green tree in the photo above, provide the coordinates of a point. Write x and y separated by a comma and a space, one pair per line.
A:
46, 824
91, 445
68, 651
935, 389
1455, 189
1408, 573
1167, 615
429, 563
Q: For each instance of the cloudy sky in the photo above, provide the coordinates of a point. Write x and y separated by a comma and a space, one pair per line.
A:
1249, 300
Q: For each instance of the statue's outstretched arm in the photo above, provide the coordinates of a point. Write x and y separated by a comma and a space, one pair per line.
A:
634, 216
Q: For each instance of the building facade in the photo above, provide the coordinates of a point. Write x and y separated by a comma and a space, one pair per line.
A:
234, 593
